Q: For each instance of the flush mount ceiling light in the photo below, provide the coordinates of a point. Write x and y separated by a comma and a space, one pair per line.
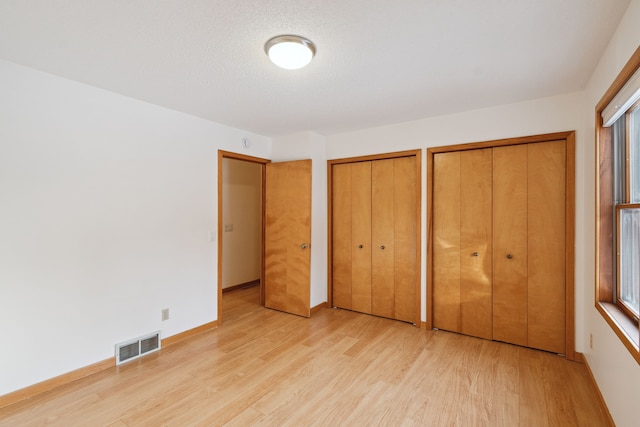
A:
290, 52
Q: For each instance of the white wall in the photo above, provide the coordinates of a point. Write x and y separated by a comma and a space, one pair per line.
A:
557, 114
310, 145
242, 214
616, 371
106, 208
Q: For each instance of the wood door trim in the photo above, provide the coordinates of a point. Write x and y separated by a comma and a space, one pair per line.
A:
570, 206
502, 142
237, 156
418, 237
569, 138
383, 156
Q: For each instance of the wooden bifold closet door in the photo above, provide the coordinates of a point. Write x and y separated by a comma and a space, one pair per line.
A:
462, 242
374, 263
352, 261
499, 250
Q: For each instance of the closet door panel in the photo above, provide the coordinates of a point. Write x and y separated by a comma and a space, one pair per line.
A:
446, 241
361, 236
547, 248
510, 291
475, 244
405, 263
341, 235
382, 232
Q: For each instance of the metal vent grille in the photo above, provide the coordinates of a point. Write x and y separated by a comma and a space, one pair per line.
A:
128, 351
137, 347
149, 344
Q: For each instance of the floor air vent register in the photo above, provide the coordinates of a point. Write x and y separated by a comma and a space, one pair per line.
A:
138, 347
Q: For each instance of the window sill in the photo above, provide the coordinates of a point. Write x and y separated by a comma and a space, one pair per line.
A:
625, 328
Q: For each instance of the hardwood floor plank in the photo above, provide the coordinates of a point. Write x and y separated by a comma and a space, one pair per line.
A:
116, 423
533, 402
298, 397
249, 417
266, 368
501, 389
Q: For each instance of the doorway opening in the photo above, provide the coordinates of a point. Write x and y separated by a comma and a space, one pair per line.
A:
240, 226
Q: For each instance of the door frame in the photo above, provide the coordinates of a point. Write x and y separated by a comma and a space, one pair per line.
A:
243, 157
569, 138
384, 156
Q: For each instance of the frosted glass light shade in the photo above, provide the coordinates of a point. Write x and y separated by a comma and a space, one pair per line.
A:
290, 52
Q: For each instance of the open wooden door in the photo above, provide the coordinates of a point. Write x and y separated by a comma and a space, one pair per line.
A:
287, 244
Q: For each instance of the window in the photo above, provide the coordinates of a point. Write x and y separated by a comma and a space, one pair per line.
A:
633, 130
628, 265
618, 206
626, 179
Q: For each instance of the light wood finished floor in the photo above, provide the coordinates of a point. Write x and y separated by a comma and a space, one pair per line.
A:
339, 368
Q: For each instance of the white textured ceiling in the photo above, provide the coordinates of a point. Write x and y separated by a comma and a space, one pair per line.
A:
378, 61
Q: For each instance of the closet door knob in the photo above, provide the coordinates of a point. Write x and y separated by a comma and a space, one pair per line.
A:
303, 246
382, 247
360, 246
475, 254
509, 256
